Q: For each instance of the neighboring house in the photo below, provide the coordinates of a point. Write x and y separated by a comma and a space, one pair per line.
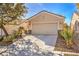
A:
75, 24
45, 22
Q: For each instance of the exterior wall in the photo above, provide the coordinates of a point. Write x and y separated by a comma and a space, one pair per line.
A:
24, 25
61, 24
40, 23
10, 28
49, 18
75, 25
75, 18
44, 18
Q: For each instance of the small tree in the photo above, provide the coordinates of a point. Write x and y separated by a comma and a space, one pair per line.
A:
77, 5
67, 35
10, 12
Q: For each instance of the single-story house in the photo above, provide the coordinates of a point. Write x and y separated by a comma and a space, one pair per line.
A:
75, 24
43, 22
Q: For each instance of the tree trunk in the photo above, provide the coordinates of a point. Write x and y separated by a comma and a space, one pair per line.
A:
3, 28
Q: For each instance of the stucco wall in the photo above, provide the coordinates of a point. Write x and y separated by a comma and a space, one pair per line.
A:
49, 18
75, 18
39, 21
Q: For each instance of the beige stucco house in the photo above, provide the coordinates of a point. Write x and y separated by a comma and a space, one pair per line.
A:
75, 24
45, 22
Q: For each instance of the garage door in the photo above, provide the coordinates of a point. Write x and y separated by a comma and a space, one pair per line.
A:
43, 28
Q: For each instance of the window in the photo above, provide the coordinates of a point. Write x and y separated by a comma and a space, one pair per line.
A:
76, 25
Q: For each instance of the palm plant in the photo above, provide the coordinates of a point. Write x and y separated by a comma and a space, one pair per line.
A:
67, 35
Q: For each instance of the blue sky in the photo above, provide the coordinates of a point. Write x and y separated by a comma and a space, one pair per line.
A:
65, 9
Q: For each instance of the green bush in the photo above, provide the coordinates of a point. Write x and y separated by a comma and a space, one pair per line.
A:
67, 35
15, 34
7, 38
11, 37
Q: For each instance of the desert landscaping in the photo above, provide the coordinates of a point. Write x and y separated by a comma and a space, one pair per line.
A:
43, 34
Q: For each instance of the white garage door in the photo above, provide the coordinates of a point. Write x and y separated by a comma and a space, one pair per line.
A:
43, 28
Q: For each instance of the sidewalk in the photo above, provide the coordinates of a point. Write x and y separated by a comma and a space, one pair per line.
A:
60, 52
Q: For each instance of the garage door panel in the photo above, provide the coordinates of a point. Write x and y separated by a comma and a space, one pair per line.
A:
44, 29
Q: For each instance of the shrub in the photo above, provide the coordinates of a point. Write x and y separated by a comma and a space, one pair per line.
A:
8, 38
15, 34
1, 38
67, 35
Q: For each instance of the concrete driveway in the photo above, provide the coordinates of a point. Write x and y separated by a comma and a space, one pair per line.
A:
44, 41
48, 39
